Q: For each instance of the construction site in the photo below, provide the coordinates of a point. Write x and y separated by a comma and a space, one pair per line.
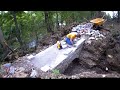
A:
94, 54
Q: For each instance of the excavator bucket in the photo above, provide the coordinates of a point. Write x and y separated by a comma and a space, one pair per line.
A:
98, 21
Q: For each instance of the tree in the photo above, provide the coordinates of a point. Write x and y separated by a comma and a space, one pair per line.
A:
47, 21
118, 16
57, 21
18, 34
2, 39
20, 28
98, 14
108, 17
114, 16
4, 43
92, 14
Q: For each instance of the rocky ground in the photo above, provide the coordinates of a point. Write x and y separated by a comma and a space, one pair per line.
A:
100, 59
99, 56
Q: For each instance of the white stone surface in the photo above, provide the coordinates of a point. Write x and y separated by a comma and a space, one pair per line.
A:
30, 57
51, 57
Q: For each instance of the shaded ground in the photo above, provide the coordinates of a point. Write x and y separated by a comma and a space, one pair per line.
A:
77, 67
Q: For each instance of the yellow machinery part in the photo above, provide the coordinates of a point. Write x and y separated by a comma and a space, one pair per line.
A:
98, 21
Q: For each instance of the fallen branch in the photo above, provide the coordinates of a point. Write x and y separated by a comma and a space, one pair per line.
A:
8, 46
86, 19
9, 54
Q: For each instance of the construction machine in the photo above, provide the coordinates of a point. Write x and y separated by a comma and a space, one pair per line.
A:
98, 24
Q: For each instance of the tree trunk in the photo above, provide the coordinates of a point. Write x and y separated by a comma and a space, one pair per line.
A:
118, 17
2, 39
57, 21
73, 17
92, 14
36, 34
98, 14
47, 21
17, 29
1, 36
4, 43
113, 16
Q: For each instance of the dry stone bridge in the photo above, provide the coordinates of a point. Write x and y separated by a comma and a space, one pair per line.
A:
52, 58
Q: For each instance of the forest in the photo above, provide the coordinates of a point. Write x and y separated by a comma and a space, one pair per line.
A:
22, 30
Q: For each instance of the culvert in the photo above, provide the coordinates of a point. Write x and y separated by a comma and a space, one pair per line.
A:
77, 66
73, 68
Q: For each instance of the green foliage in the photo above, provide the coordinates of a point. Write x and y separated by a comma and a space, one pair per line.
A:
55, 71
32, 24
71, 16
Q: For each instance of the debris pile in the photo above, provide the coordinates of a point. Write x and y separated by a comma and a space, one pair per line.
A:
86, 30
21, 68
33, 73
103, 53
7, 70
93, 46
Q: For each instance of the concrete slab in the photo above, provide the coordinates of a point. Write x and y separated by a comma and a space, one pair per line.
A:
52, 57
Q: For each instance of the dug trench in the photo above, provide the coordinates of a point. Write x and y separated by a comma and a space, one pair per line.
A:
101, 56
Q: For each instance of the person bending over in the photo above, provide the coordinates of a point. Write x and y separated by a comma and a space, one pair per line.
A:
70, 38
